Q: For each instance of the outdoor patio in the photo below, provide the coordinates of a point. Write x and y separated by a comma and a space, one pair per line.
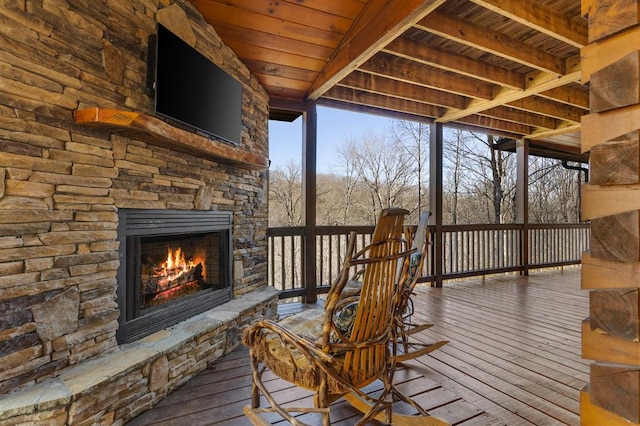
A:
90, 166
513, 359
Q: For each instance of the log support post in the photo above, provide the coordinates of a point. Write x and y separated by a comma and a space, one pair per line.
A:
309, 196
435, 198
610, 336
522, 201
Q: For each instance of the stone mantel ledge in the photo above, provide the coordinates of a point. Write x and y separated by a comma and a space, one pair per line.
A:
61, 391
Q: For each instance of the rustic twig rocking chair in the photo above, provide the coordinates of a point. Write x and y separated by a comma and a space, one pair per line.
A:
320, 351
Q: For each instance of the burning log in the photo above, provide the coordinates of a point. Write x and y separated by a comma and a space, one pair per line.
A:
163, 279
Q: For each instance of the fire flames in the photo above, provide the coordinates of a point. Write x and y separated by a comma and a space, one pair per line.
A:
176, 267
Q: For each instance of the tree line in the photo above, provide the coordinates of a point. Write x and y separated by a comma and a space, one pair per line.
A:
376, 171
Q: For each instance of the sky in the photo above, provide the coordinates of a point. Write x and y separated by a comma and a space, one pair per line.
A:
334, 127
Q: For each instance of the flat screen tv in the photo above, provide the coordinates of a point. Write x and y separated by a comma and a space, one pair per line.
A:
191, 90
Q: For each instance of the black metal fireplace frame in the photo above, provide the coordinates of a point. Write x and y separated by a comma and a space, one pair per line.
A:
135, 224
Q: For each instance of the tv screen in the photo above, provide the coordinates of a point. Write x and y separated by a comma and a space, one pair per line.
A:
192, 90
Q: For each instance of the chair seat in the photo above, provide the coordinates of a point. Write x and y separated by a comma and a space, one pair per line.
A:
289, 362
351, 289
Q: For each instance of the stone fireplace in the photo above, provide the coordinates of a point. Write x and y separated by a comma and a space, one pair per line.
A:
173, 265
97, 193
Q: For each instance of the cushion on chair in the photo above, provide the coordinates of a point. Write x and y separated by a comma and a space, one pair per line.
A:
414, 264
288, 362
345, 317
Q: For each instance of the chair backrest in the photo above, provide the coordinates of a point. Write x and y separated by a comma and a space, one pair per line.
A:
368, 344
420, 242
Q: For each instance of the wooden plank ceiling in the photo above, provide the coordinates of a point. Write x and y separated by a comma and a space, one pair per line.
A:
505, 67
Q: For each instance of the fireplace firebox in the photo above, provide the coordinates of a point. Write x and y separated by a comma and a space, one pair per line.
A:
174, 264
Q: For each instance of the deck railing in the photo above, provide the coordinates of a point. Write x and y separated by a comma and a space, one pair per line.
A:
468, 250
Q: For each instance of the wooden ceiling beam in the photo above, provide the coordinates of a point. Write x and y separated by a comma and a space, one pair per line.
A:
492, 42
563, 128
519, 116
538, 82
568, 96
384, 102
540, 18
549, 108
366, 109
493, 125
412, 72
388, 87
424, 54
477, 129
380, 22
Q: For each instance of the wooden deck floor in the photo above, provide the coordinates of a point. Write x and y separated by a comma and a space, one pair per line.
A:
513, 359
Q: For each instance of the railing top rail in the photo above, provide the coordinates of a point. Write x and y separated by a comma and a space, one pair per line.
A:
344, 229
363, 229
482, 227
559, 225
285, 231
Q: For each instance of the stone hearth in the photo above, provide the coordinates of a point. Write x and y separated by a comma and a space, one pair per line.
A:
133, 379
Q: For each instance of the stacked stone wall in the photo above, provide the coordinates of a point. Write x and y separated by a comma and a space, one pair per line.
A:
61, 184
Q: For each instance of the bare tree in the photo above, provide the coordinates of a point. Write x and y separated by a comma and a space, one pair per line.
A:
413, 137
553, 193
335, 204
345, 172
285, 194
382, 169
488, 173
455, 144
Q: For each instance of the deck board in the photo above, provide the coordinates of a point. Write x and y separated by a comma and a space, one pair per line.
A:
513, 359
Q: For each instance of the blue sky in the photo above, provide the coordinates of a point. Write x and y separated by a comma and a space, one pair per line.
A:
334, 127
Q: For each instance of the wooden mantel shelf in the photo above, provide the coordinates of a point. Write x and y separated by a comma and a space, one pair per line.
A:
144, 127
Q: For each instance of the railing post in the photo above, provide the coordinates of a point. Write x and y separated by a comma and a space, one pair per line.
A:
522, 201
435, 199
309, 186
